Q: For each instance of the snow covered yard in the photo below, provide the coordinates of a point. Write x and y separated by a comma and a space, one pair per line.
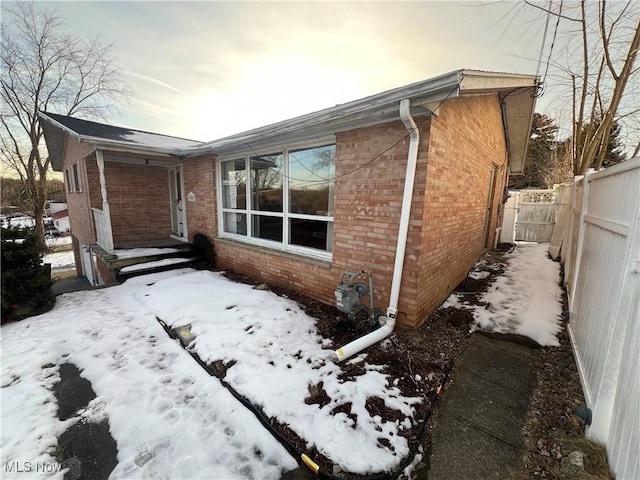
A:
274, 357
171, 419
61, 260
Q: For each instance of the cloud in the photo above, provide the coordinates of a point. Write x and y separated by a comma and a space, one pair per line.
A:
208, 69
158, 82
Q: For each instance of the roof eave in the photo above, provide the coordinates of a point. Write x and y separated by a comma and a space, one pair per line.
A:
421, 93
55, 140
105, 144
379, 108
115, 145
518, 94
518, 108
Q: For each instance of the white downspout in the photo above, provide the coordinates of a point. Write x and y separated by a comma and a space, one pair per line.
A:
388, 322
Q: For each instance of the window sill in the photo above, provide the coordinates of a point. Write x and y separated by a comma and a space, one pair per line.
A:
320, 260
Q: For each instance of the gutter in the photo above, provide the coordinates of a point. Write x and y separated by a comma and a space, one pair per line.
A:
388, 322
427, 91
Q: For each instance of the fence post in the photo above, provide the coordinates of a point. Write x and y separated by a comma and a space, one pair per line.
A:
570, 257
584, 207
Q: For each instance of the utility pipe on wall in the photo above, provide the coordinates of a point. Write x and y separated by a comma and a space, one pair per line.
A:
388, 322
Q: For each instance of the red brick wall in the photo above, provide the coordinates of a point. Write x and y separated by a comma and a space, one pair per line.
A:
139, 202
76, 255
313, 278
93, 181
467, 138
368, 205
200, 179
368, 199
79, 206
446, 231
105, 275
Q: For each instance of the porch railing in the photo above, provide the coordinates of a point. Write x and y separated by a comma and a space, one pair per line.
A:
103, 230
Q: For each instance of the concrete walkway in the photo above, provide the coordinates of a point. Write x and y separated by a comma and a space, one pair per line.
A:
67, 285
478, 428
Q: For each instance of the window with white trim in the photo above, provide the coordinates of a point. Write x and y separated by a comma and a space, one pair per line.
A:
72, 179
281, 199
76, 178
67, 180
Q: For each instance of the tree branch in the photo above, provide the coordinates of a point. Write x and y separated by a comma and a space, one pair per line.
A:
546, 10
605, 38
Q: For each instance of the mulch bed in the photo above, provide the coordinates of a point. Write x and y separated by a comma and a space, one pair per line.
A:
417, 361
551, 429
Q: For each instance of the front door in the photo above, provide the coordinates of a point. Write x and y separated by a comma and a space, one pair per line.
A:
178, 217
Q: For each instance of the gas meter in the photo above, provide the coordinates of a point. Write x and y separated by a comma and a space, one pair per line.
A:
349, 293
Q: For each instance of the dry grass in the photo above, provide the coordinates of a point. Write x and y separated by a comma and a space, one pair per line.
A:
55, 276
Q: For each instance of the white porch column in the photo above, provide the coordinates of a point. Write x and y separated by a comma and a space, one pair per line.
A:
107, 234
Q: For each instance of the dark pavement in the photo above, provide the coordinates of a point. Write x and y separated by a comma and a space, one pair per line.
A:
478, 428
67, 285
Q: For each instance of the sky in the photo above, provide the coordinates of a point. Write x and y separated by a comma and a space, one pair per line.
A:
203, 70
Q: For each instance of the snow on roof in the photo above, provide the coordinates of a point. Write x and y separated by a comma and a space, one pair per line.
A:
161, 141
97, 132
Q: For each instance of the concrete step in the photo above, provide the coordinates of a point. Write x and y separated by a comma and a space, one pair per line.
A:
153, 261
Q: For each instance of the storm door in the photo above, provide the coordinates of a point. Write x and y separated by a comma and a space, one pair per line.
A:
178, 218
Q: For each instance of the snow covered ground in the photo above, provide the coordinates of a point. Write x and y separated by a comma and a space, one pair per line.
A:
525, 300
58, 242
277, 356
171, 419
60, 260
142, 252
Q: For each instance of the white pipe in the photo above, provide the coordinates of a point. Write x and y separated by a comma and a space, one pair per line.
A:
388, 322
359, 344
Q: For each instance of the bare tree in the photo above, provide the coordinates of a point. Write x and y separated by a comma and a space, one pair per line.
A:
604, 38
45, 69
591, 150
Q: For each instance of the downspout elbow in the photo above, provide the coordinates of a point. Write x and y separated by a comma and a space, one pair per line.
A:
359, 344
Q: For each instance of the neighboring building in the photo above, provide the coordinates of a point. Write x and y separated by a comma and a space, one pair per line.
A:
60, 217
298, 202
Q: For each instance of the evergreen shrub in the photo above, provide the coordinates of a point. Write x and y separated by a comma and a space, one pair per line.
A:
26, 286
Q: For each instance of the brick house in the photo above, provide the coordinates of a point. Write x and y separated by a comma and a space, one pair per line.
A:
298, 202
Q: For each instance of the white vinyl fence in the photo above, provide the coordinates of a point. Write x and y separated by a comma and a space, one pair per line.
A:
601, 250
529, 215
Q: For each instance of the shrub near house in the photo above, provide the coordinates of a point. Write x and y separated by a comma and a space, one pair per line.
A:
25, 284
